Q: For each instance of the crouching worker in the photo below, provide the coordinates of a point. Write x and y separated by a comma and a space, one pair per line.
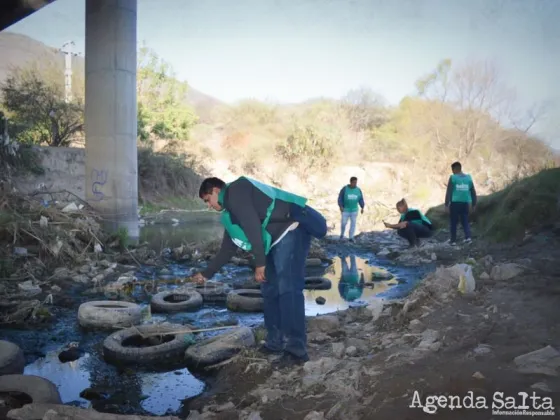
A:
412, 225
276, 227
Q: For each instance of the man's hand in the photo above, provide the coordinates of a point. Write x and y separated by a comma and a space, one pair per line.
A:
362, 211
259, 274
387, 225
341, 209
198, 278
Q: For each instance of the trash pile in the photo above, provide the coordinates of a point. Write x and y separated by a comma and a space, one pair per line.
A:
36, 234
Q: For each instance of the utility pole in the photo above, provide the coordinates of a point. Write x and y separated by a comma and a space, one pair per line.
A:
67, 50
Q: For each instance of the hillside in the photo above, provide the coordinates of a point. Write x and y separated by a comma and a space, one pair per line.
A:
19, 50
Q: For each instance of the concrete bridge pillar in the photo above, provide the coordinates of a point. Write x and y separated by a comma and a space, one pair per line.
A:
110, 112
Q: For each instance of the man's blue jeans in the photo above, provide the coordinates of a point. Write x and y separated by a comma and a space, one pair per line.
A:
459, 212
284, 306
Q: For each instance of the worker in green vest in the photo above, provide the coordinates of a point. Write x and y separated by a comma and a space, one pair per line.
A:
412, 225
349, 197
460, 201
276, 227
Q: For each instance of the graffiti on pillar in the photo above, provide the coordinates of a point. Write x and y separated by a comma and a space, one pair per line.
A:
98, 180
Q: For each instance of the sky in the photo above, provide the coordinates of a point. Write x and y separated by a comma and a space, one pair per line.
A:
293, 50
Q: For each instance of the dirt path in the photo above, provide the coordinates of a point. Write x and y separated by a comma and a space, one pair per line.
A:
383, 362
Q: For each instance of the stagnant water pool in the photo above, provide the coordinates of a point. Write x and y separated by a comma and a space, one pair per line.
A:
143, 390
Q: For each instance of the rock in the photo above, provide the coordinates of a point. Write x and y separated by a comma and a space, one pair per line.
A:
20, 252
362, 346
429, 341
506, 271
97, 280
80, 278
69, 355
375, 308
320, 300
56, 289
324, 323
318, 337
482, 349
542, 386
338, 350
485, 276
545, 361
91, 394
478, 375
315, 371
315, 415
351, 351
225, 407
29, 288
415, 325
85, 269
433, 256
36, 411
62, 273
266, 395
383, 253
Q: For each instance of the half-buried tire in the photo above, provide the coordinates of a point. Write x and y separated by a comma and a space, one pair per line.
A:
12, 360
109, 314
245, 300
217, 349
30, 389
213, 292
317, 283
179, 300
144, 345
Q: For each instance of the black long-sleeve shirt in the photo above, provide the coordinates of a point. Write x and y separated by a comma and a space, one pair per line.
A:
247, 206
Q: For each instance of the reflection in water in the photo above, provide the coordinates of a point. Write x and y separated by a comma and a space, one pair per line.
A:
158, 391
353, 282
192, 229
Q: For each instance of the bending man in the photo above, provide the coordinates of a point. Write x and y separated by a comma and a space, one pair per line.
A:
276, 227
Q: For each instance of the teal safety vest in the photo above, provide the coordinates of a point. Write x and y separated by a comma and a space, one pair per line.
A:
351, 199
236, 232
418, 221
461, 188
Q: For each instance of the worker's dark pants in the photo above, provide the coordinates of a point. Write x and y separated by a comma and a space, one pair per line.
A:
413, 231
284, 307
459, 212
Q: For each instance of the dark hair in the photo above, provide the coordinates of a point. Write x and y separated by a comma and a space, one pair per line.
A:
456, 166
353, 179
402, 203
209, 184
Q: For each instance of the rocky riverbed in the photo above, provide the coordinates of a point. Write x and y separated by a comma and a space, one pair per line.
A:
364, 359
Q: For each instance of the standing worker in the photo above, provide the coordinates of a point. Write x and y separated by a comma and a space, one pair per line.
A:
276, 227
460, 200
348, 199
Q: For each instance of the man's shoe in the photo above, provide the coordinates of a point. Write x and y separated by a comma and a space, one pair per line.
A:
467, 241
266, 350
288, 360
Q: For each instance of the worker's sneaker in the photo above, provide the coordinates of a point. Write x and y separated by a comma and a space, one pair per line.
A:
289, 359
467, 241
266, 350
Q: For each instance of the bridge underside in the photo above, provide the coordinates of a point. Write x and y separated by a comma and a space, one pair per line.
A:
12, 11
110, 110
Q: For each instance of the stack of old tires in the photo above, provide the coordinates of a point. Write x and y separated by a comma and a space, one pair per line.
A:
25, 389
137, 343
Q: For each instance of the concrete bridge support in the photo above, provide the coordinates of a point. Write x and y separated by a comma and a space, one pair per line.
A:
110, 112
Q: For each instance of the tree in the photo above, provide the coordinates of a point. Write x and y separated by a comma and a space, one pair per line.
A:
37, 108
162, 108
364, 108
